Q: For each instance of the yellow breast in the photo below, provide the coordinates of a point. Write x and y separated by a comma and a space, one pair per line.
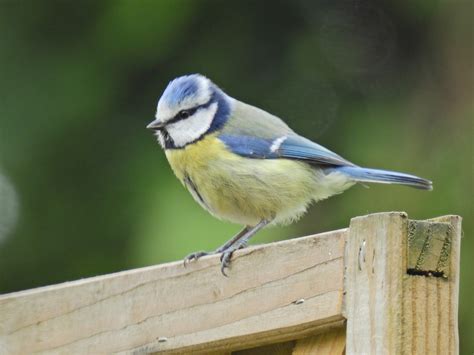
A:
200, 155
243, 190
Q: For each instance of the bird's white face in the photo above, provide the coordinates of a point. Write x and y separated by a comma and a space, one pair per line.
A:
185, 111
191, 128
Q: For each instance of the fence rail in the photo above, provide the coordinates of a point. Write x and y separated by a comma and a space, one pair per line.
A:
386, 284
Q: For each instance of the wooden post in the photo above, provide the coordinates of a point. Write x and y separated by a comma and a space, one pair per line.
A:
395, 280
402, 284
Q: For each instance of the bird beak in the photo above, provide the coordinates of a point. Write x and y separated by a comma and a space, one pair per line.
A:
156, 125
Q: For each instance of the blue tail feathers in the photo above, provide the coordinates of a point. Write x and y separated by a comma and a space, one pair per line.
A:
384, 177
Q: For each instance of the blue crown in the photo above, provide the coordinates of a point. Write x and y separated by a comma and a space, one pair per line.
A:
180, 89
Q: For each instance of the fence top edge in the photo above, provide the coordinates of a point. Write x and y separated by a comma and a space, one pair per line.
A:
152, 268
174, 264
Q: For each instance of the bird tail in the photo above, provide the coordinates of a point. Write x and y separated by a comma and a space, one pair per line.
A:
384, 177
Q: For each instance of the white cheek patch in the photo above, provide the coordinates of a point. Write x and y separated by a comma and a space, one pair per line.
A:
191, 128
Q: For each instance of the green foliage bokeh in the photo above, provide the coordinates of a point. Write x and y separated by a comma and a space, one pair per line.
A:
85, 188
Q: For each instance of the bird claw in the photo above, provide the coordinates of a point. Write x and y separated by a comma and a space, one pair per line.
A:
225, 261
227, 255
194, 256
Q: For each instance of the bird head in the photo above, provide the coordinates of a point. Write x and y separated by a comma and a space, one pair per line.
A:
191, 107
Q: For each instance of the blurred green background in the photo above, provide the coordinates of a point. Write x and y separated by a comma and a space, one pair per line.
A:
86, 190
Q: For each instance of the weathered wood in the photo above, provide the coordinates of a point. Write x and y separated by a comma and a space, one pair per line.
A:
395, 303
430, 304
374, 276
400, 277
169, 308
272, 349
429, 248
332, 342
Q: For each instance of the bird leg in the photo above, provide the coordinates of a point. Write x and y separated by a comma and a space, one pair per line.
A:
233, 240
227, 245
239, 243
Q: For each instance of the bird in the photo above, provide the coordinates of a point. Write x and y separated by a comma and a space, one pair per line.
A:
247, 166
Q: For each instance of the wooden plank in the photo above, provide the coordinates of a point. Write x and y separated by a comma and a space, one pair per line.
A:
430, 303
169, 308
375, 269
329, 342
332, 342
448, 296
402, 284
273, 349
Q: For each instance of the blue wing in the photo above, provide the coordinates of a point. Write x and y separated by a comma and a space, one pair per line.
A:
287, 146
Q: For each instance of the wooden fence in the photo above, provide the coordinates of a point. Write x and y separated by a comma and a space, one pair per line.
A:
385, 285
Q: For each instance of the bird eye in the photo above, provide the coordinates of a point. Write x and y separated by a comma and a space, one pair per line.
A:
184, 114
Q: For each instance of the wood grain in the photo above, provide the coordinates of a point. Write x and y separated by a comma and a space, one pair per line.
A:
169, 308
429, 248
389, 309
430, 304
332, 342
272, 349
289, 297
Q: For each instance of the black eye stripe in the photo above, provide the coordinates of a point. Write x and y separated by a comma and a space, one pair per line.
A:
178, 116
183, 114
190, 111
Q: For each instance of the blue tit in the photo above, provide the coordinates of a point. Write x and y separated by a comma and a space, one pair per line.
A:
245, 165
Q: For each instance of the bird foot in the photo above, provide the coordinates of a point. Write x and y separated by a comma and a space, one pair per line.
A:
227, 255
195, 256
